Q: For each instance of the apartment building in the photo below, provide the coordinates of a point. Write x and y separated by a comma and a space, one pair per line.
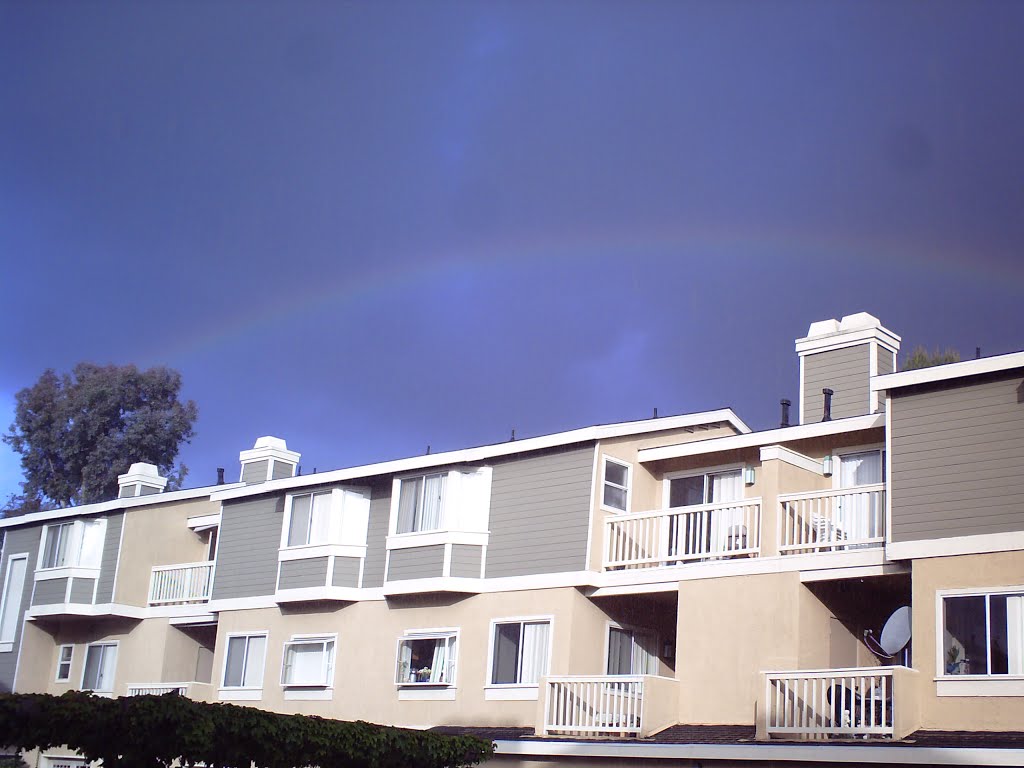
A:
845, 588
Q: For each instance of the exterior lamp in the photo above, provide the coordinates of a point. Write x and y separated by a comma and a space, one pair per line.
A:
826, 465
748, 475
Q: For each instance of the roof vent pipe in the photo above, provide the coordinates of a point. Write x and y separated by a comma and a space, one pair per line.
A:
220, 475
785, 412
827, 415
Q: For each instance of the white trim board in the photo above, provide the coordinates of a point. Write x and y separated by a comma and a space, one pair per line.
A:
977, 544
824, 753
948, 371
482, 453
768, 437
781, 453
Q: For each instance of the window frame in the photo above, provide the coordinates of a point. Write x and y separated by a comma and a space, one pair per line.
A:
104, 644
60, 662
838, 454
451, 636
290, 506
707, 473
605, 482
74, 549
328, 665
522, 621
239, 691
7, 645
633, 631
418, 511
940, 626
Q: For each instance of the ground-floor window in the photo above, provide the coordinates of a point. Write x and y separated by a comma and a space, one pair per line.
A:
983, 634
427, 659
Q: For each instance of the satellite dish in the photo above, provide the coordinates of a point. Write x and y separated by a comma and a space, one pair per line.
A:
895, 634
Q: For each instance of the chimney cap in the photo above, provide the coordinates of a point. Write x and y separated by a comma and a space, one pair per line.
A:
142, 473
859, 327
269, 447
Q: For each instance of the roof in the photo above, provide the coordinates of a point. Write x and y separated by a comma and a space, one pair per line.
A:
483, 453
994, 364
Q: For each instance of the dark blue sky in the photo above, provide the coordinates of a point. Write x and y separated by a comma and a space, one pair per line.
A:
369, 227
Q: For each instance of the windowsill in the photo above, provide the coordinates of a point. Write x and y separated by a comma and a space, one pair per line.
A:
7, 647
613, 511
67, 572
426, 692
424, 683
307, 551
979, 685
432, 538
511, 692
240, 694
308, 692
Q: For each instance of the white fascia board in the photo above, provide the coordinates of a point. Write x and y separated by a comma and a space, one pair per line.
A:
948, 371
768, 437
810, 344
482, 453
766, 751
976, 544
202, 522
115, 504
781, 453
85, 609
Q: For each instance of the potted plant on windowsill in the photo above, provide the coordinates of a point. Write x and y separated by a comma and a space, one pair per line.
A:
423, 675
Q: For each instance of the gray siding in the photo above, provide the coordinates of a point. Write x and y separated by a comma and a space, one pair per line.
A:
126, 491
50, 591
296, 574
255, 472
466, 561
148, 490
846, 372
282, 469
81, 590
957, 454
885, 365
108, 565
416, 563
346, 572
540, 514
250, 535
377, 533
16, 541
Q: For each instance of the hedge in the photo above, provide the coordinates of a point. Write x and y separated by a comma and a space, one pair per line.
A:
153, 731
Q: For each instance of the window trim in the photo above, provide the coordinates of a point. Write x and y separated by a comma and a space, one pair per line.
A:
628, 488
971, 685
243, 692
489, 672
442, 633
85, 666
71, 660
396, 500
6, 646
328, 664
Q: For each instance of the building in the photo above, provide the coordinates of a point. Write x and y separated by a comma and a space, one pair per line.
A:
679, 587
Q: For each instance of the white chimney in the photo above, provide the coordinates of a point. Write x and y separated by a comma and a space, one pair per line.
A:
842, 356
268, 459
141, 479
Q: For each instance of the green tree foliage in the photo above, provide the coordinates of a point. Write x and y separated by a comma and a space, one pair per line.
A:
921, 358
154, 731
77, 432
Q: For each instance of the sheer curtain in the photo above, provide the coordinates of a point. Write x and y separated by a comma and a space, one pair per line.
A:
723, 487
860, 515
442, 661
409, 495
319, 529
433, 496
535, 652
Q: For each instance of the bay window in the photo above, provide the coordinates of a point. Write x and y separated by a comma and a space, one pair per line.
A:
73, 544
308, 662
309, 521
520, 651
421, 504
427, 659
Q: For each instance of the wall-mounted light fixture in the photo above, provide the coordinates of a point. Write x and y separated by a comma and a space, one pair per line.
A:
826, 465
748, 475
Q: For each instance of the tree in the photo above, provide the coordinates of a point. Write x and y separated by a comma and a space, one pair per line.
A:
921, 358
77, 432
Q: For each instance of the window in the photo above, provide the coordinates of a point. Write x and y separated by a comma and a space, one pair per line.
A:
721, 529
426, 659
520, 652
308, 661
616, 485
421, 504
100, 660
310, 519
631, 652
74, 544
64, 654
983, 635
10, 608
243, 665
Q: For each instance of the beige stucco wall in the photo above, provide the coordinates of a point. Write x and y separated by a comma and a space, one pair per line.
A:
982, 713
157, 535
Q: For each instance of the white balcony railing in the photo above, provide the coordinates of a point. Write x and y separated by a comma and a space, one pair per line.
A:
158, 689
683, 534
182, 583
609, 704
828, 521
819, 704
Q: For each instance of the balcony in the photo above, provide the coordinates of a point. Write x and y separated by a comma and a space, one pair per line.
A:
181, 584
683, 534
831, 521
607, 705
866, 702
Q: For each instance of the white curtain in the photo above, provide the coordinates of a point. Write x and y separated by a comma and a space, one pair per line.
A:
645, 659
298, 525
319, 529
252, 675
535, 651
1015, 634
860, 516
439, 664
724, 487
92, 544
405, 673
408, 500
305, 664
13, 589
433, 497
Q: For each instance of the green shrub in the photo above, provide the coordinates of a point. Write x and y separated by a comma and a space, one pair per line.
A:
152, 731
